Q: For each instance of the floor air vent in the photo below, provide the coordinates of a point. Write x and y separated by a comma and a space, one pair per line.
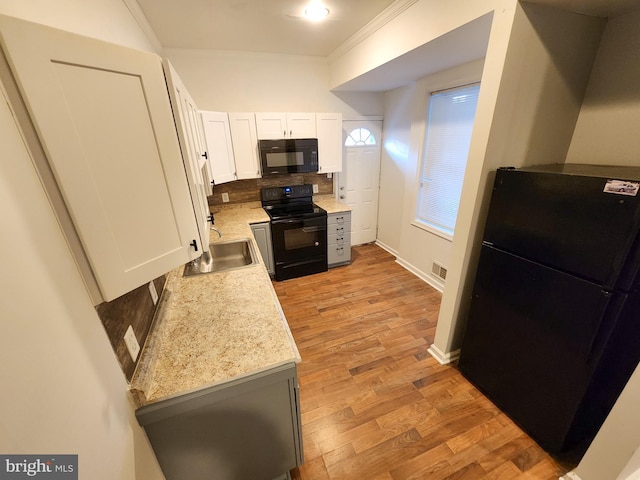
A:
439, 271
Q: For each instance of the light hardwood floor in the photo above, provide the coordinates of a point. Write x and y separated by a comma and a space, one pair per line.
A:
375, 405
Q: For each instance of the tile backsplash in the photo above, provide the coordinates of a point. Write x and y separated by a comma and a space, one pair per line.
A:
242, 191
135, 308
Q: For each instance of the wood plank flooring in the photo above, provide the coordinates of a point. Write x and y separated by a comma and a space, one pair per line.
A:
375, 405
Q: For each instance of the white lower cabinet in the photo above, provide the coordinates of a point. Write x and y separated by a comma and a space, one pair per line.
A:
338, 239
262, 234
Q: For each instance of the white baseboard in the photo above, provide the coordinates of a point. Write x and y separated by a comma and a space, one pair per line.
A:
570, 476
444, 358
408, 266
387, 248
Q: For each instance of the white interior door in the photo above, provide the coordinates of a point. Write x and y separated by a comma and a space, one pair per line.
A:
358, 183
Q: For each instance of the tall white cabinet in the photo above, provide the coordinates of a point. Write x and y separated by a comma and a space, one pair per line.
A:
105, 126
197, 169
329, 132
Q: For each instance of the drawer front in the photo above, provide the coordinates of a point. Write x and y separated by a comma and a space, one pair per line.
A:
339, 239
338, 228
338, 218
338, 254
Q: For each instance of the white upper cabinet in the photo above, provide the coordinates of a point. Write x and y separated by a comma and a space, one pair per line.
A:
104, 120
285, 125
329, 128
244, 137
187, 122
217, 134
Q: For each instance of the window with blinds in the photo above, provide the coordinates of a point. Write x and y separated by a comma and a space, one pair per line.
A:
449, 126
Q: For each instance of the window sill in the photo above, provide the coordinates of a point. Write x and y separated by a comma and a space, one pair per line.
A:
433, 230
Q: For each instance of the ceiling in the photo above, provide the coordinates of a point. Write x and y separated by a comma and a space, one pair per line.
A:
272, 26
277, 26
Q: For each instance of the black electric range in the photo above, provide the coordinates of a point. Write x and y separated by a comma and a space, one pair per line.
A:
298, 230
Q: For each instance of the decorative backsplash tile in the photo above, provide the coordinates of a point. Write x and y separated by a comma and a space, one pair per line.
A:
135, 308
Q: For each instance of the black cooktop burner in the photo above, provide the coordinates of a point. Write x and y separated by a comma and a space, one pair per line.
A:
276, 212
290, 201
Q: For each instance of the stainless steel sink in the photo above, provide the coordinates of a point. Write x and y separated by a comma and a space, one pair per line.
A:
223, 256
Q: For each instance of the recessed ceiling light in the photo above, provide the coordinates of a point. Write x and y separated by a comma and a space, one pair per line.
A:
316, 11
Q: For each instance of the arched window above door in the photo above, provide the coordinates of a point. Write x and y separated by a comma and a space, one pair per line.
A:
360, 137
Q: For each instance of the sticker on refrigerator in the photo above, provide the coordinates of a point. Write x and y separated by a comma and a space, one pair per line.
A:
622, 187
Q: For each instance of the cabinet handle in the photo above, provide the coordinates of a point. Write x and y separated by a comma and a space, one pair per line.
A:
284, 133
341, 197
205, 155
291, 133
194, 244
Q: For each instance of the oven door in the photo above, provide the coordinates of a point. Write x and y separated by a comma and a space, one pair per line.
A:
299, 246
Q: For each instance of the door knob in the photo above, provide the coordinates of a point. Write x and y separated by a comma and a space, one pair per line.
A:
341, 197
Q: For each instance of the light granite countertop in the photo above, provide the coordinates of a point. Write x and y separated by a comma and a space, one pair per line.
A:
213, 328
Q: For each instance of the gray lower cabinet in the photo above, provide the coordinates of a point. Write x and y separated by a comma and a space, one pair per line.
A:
262, 234
248, 428
338, 238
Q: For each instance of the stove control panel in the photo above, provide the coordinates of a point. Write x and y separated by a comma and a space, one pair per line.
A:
286, 192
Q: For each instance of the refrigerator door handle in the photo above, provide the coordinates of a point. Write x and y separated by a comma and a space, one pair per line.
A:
608, 323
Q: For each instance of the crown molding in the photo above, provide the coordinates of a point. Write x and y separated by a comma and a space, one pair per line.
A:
384, 17
143, 23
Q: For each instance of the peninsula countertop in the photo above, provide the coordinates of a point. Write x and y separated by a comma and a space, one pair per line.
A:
216, 327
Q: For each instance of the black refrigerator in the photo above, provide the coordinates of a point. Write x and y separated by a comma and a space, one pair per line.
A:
553, 332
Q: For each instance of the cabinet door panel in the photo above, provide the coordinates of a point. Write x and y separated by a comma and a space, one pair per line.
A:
217, 134
329, 128
271, 126
245, 145
104, 119
186, 116
301, 125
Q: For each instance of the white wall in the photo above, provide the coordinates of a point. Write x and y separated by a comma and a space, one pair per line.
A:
254, 82
607, 128
422, 22
108, 20
618, 438
404, 132
62, 388
396, 165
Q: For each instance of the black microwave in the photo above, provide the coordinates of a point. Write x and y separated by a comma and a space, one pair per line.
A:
288, 155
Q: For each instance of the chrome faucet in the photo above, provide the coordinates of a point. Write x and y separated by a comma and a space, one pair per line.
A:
216, 230
210, 219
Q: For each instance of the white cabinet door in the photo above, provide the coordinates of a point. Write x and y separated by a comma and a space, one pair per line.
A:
271, 126
329, 128
285, 125
185, 112
217, 134
104, 120
301, 125
244, 137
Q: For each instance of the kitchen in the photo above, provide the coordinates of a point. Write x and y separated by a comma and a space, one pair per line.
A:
94, 396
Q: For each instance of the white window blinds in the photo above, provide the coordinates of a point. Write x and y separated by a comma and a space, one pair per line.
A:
449, 127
